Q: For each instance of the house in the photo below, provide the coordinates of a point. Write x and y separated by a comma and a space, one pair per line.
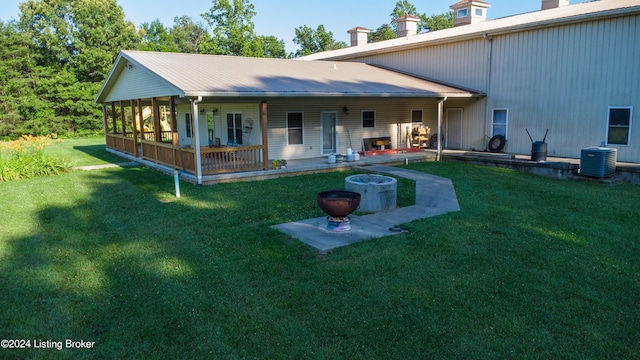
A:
571, 70
209, 114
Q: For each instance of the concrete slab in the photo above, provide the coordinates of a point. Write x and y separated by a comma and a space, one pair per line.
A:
434, 196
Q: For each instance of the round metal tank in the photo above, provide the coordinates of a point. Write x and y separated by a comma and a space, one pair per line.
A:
539, 151
377, 192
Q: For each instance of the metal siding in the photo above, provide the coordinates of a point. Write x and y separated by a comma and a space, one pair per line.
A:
564, 78
464, 63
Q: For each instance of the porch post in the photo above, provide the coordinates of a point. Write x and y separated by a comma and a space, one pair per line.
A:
105, 119
122, 119
140, 112
196, 138
114, 117
440, 110
265, 136
174, 120
136, 150
157, 131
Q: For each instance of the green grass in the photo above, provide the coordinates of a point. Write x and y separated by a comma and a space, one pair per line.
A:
83, 151
529, 268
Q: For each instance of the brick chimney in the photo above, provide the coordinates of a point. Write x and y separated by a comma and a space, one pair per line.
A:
359, 35
552, 4
407, 25
467, 12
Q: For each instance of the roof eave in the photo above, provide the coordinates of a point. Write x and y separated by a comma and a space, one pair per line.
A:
265, 94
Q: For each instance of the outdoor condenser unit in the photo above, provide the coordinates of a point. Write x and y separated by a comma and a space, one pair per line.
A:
598, 162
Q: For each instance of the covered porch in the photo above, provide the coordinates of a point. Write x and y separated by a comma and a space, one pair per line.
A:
154, 139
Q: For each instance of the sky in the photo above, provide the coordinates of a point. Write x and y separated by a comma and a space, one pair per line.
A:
280, 18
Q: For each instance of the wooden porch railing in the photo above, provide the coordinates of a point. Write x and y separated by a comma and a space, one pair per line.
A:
121, 142
231, 159
214, 160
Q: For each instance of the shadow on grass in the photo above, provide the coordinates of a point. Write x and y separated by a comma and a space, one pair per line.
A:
144, 275
99, 152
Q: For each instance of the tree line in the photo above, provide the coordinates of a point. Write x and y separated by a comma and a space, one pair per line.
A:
55, 57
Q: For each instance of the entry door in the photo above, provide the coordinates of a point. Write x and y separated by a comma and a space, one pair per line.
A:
328, 123
453, 139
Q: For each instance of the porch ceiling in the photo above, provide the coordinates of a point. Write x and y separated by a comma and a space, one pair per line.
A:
226, 76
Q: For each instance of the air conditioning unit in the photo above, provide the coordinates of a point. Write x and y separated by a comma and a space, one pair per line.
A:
598, 162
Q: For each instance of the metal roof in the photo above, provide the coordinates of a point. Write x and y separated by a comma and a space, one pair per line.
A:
537, 19
191, 75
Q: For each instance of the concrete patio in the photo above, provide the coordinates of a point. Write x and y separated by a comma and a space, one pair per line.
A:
434, 196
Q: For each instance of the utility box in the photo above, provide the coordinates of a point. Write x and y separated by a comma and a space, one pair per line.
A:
598, 162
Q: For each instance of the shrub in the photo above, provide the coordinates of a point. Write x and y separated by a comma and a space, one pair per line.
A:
24, 158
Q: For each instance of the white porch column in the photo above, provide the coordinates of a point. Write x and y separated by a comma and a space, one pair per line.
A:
196, 138
440, 111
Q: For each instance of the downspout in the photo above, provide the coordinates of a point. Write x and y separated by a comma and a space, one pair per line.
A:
196, 137
440, 108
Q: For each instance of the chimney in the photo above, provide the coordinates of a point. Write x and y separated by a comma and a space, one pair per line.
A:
407, 25
359, 35
552, 4
467, 12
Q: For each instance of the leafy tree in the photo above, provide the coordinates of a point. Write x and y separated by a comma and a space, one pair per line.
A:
313, 41
384, 32
233, 30
436, 22
403, 7
155, 37
188, 36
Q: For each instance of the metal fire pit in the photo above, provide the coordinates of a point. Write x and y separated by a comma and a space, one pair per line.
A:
338, 204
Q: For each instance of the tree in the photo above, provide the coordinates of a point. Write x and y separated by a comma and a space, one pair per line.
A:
69, 49
155, 37
233, 29
188, 36
436, 22
403, 7
384, 32
313, 41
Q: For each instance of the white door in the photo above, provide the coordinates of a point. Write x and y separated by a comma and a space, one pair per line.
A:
453, 139
328, 124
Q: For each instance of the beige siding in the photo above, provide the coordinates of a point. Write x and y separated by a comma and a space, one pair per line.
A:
248, 110
391, 115
138, 83
564, 79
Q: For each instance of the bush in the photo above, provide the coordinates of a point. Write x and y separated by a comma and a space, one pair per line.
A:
24, 159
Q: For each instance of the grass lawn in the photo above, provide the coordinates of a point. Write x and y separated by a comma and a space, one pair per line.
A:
529, 268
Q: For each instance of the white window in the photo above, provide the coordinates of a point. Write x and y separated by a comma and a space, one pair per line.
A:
463, 13
619, 125
499, 122
478, 12
294, 128
368, 119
